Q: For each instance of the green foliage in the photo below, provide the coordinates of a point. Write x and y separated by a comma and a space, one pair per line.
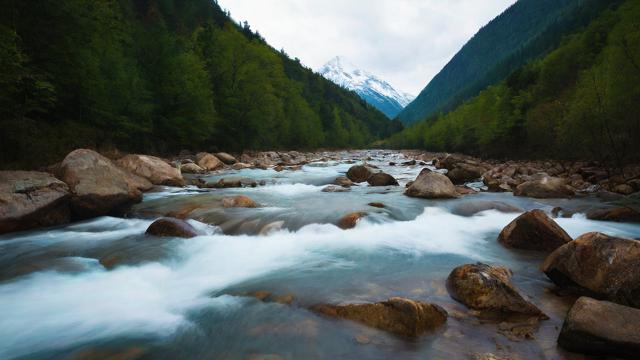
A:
582, 100
159, 76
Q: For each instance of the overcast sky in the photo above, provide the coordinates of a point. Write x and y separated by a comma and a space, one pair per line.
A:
405, 42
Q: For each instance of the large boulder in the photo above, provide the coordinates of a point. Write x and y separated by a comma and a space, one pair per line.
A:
208, 161
463, 172
171, 227
30, 199
191, 168
226, 158
533, 230
544, 188
620, 214
152, 168
598, 265
399, 316
97, 185
488, 288
359, 173
601, 328
343, 181
432, 185
382, 179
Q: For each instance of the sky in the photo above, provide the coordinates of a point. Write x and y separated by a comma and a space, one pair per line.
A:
404, 42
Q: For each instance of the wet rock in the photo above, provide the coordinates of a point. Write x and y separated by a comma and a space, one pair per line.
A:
382, 179
533, 230
226, 158
598, 265
488, 288
623, 189
432, 185
208, 161
409, 163
377, 205
469, 208
30, 199
398, 316
343, 181
191, 168
601, 328
335, 188
463, 190
544, 188
239, 201
235, 182
463, 172
152, 168
241, 166
97, 185
271, 227
520, 330
359, 173
620, 214
350, 221
171, 227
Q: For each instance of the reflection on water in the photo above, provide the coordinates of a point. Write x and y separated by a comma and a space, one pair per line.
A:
103, 283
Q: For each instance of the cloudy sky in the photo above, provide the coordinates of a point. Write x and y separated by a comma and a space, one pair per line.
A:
405, 42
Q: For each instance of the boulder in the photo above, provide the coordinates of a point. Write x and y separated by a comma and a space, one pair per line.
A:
620, 214
350, 220
226, 158
463, 172
208, 161
601, 328
241, 166
488, 288
545, 188
533, 230
191, 168
432, 185
30, 199
152, 168
343, 181
171, 227
359, 173
239, 201
382, 179
598, 265
623, 189
399, 316
99, 187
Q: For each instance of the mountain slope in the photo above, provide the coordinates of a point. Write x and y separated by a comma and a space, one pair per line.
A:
373, 90
526, 30
158, 76
580, 101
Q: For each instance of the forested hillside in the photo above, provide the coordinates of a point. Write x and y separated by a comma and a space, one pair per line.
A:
158, 76
580, 101
525, 31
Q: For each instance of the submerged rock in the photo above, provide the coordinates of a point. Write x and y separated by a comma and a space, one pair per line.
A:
359, 173
620, 214
350, 221
343, 181
398, 316
488, 288
469, 208
171, 227
226, 158
239, 201
152, 168
30, 199
208, 161
97, 185
533, 230
545, 188
432, 185
601, 328
598, 265
335, 188
382, 179
377, 205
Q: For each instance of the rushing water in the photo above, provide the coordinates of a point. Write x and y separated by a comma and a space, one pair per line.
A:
103, 284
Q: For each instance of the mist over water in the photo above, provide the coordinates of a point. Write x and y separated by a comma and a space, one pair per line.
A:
156, 293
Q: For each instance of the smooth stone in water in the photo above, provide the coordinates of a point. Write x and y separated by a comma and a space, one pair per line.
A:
359, 173
619, 214
350, 221
152, 168
469, 208
432, 185
239, 201
382, 179
171, 227
208, 161
545, 188
533, 230
226, 158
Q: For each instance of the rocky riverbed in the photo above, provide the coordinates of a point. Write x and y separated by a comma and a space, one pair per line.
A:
288, 255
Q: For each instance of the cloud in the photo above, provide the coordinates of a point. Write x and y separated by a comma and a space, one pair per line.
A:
405, 42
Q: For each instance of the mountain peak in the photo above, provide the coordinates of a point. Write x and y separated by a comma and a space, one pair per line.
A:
372, 89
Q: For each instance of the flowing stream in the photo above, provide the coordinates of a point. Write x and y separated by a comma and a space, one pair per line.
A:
103, 284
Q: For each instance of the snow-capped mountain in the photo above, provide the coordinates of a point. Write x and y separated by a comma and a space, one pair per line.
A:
373, 90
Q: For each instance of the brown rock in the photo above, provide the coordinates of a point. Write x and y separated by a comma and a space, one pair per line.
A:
488, 288
208, 161
335, 188
377, 205
601, 328
463, 172
432, 185
623, 189
30, 199
152, 168
239, 201
350, 221
359, 173
343, 181
620, 214
97, 185
544, 188
533, 230
398, 316
191, 168
226, 158
382, 179
171, 227
598, 265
